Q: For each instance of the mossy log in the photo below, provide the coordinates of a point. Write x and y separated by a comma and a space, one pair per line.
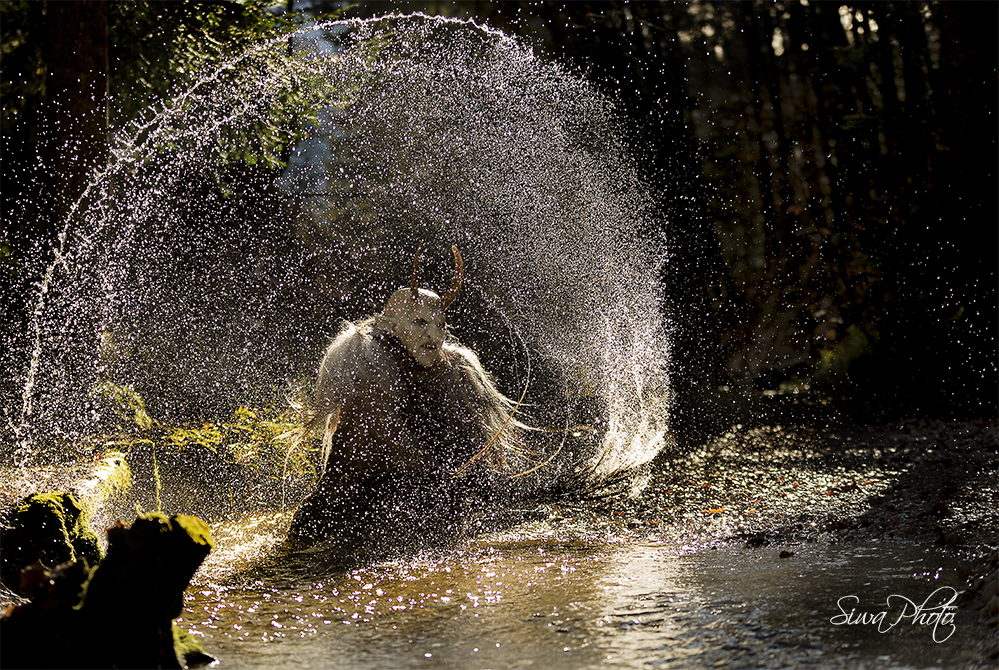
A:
118, 615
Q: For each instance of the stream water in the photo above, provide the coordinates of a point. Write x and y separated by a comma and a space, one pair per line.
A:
545, 595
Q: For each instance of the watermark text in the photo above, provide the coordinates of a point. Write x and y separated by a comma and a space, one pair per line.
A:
936, 611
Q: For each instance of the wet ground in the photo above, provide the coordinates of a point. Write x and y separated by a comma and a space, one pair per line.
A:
921, 481
768, 547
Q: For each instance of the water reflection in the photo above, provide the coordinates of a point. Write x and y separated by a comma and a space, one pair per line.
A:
752, 608
539, 597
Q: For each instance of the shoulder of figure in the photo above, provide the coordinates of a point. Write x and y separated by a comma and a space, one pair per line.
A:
357, 355
348, 340
465, 362
459, 355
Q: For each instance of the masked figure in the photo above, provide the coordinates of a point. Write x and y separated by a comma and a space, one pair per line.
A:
413, 432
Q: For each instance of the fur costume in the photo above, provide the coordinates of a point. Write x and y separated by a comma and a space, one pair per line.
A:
410, 440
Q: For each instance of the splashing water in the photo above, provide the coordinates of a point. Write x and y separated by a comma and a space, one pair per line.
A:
193, 276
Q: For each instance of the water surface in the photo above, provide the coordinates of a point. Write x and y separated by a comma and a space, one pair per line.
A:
549, 597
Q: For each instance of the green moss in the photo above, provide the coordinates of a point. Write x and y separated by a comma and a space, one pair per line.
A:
189, 649
195, 528
50, 528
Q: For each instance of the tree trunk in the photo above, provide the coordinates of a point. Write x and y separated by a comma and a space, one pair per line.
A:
76, 55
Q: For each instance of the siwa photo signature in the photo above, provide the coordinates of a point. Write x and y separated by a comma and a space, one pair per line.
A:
937, 610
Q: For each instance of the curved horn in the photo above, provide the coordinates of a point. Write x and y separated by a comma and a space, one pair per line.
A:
415, 278
459, 275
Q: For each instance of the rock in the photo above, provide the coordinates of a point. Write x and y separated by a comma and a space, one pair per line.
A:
49, 528
44, 632
119, 614
140, 586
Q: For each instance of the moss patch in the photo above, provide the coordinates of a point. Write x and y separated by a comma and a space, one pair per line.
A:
49, 528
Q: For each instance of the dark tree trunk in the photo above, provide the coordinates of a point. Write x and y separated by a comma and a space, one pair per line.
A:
76, 54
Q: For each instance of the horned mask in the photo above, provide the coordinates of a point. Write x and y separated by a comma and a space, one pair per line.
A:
416, 315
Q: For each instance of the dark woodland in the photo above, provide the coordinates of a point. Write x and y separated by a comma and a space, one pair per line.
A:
825, 171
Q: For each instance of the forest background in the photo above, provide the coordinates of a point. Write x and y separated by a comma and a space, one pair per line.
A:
825, 171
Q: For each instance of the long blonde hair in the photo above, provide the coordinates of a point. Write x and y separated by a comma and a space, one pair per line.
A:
355, 359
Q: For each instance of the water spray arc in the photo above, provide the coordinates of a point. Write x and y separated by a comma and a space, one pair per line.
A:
205, 283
